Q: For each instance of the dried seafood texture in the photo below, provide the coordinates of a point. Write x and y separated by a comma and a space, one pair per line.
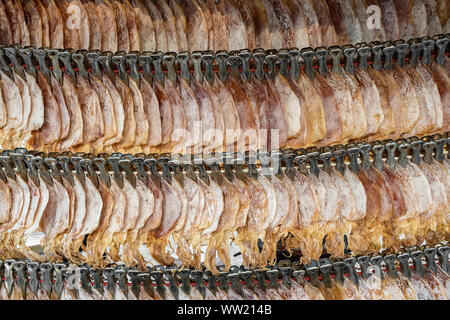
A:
389, 99
440, 76
371, 98
34, 23
163, 25
110, 114
56, 24
331, 109
123, 34
197, 32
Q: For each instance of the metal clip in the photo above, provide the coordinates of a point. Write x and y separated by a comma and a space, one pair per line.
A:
378, 155
141, 173
416, 147
105, 61
247, 276
402, 49
27, 56
415, 49
146, 281
376, 261
87, 164
157, 60
404, 259
353, 155
125, 164
7, 165
321, 54
443, 254
325, 269
19, 162
312, 158
391, 147
202, 174
442, 46
273, 278
65, 57
92, 58
104, 175
213, 164
312, 270
339, 156
96, 278
430, 254
166, 174
160, 287
145, 61
235, 283
335, 54
12, 56
244, 55
250, 160
131, 60
428, 46
67, 173
154, 174
416, 256
119, 61
197, 275
21, 280
46, 278
301, 163
222, 59
185, 283
212, 282
32, 268
4, 66
363, 262
403, 148
364, 150
52, 164
108, 273
377, 51
196, 58
9, 276
85, 285
286, 274
307, 55
235, 62
76, 161
117, 174
428, 146
390, 265
228, 168
183, 60
272, 60
283, 56
349, 53
339, 268
261, 279
350, 263
208, 60
363, 53
294, 56
259, 56
388, 52
439, 154
78, 58
43, 171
